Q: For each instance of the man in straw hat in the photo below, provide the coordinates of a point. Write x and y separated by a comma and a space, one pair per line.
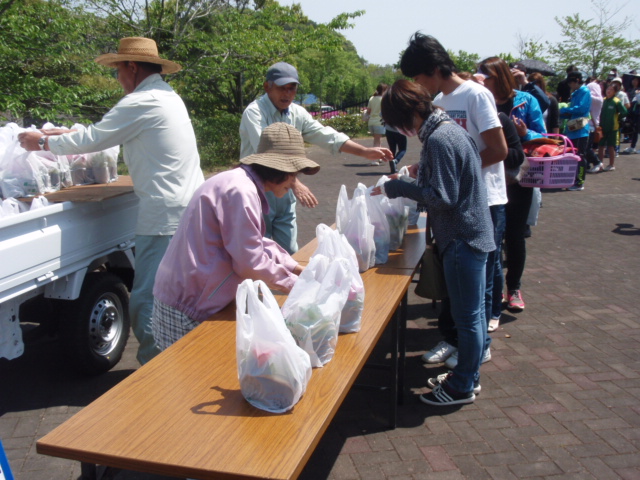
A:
152, 124
277, 105
220, 240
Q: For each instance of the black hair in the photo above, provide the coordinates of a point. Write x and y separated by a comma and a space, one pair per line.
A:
424, 55
564, 91
268, 174
575, 77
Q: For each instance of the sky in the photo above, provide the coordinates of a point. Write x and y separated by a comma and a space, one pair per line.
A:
485, 27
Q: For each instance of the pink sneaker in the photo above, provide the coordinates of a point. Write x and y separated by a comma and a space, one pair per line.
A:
514, 298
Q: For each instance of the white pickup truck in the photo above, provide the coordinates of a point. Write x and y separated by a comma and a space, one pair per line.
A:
68, 266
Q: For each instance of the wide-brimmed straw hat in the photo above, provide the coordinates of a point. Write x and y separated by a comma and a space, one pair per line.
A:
138, 49
281, 147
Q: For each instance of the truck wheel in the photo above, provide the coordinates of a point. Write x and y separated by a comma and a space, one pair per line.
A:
95, 327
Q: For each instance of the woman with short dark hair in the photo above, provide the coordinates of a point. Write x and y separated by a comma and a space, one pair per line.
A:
450, 188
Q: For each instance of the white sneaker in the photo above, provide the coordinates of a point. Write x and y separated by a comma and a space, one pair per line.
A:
596, 168
375, 163
630, 151
439, 353
609, 168
452, 361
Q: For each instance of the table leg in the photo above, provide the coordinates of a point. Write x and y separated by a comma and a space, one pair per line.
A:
91, 471
393, 414
402, 337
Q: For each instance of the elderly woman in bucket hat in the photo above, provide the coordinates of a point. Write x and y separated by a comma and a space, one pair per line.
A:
152, 124
220, 240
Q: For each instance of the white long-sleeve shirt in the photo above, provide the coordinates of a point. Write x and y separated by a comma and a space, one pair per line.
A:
153, 125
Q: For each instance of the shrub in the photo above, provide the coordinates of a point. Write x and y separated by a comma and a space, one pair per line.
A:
218, 140
351, 125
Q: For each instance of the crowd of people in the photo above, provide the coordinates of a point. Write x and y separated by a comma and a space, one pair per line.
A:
197, 240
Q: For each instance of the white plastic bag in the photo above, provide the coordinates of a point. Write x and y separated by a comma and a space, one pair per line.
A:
103, 165
39, 202
414, 214
333, 244
352, 220
380, 224
11, 206
397, 216
314, 305
273, 371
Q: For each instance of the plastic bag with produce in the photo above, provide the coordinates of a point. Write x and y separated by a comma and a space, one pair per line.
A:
333, 244
273, 371
313, 308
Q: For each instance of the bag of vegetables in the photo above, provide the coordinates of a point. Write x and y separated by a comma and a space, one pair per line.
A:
273, 371
352, 220
313, 308
378, 219
414, 214
397, 213
333, 244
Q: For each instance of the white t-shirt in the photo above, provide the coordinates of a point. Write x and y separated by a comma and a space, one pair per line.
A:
473, 107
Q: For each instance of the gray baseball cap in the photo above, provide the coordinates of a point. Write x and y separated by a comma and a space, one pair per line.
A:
282, 73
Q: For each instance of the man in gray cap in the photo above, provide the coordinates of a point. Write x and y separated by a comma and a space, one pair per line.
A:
281, 86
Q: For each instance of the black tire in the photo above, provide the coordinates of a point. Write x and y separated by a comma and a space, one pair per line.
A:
95, 327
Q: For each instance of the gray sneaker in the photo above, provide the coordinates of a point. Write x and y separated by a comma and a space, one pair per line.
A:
439, 353
596, 168
432, 382
452, 361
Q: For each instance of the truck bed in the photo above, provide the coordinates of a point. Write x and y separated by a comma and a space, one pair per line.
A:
42, 245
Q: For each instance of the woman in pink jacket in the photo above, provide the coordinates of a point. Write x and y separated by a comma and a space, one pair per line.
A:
220, 240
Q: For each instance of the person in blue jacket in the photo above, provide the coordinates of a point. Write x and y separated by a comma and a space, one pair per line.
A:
578, 131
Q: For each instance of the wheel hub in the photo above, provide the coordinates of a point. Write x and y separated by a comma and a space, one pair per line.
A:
105, 324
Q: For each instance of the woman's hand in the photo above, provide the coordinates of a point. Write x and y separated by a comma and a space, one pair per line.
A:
377, 191
413, 170
298, 269
521, 127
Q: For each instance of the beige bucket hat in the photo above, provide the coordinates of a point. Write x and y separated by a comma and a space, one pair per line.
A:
281, 147
137, 49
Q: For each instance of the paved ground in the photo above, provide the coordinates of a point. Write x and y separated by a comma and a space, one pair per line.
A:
560, 399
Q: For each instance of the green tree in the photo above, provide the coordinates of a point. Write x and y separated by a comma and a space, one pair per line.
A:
337, 76
465, 61
596, 44
47, 71
531, 48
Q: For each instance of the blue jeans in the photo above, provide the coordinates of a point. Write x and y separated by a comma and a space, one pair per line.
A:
464, 273
495, 277
281, 221
149, 252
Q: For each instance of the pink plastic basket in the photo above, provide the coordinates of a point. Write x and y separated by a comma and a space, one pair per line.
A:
553, 172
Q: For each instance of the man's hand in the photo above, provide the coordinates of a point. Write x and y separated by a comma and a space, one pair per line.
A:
56, 131
378, 153
29, 140
304, 195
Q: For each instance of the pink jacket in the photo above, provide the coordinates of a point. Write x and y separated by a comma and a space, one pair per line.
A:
218, 244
